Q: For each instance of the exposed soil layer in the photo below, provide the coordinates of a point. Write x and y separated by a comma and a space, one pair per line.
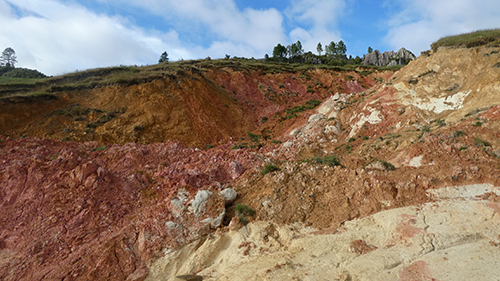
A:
98, 183
199, 107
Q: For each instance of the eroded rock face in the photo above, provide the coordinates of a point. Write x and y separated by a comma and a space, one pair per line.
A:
80, 211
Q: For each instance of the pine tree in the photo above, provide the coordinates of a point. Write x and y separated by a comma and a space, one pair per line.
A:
8, 57
163, 57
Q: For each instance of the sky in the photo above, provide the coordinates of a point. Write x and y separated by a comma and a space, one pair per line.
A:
63, 36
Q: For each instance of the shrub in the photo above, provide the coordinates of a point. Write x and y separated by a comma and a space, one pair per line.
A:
389, 166
91, 125
243, 211
239, 146
426, 129
253, 137
330, 160
138, 128
264, 119
479, 142
269, 168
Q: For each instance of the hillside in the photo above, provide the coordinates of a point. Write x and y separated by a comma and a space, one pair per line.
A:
353, 174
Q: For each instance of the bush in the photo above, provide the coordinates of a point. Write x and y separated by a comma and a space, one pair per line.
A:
243, 211
330, 160
479, 142
269, 168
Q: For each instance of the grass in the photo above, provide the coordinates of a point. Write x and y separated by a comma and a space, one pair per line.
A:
100, 148
468, 40
269, 168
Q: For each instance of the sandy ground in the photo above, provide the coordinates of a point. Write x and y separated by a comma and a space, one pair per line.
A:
454, 238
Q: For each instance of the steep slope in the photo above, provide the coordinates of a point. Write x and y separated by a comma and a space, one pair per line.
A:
197, 105
108, 210
396, 143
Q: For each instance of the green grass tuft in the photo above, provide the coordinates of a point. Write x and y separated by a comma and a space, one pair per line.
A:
269, 168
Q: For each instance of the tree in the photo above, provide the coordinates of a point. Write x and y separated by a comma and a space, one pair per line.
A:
163, 57
319, 48
300, 50
279, 52
8, 57
331, 49
370, 50
341, 48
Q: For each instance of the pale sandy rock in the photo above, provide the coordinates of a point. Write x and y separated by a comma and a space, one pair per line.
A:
444, 240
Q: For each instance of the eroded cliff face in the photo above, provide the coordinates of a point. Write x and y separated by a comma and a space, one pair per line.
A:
98, 210
203, 107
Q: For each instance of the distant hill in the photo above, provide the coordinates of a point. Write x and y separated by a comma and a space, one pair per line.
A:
12, 72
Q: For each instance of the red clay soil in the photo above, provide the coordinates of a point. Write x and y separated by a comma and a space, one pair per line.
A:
103, 204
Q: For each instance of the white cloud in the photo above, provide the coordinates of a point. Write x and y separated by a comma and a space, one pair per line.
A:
247, 32
422, 22
318, 20
56, 38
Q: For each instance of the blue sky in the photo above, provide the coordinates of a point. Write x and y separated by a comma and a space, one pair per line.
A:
61, 36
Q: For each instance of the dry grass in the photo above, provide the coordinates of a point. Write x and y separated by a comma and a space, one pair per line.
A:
468, 40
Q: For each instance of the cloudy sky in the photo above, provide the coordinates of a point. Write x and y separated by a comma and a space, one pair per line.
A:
61, 36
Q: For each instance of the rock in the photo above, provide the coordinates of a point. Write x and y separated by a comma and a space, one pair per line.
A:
380, 165
496, 153
200, 200
327, 106
139, 274
236, 169
360, 247
333, 114
172, 225
294, 132
335, 129
315, 118
390, 58
229, 195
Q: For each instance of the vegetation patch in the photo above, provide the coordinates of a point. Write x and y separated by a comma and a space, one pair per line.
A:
480, 143
330, 160
468, 40
243, 212
269, 168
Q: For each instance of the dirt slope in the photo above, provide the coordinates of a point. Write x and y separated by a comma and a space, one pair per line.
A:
198, 106
108, 209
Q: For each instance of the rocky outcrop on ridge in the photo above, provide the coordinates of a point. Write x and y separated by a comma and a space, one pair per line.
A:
390, 58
